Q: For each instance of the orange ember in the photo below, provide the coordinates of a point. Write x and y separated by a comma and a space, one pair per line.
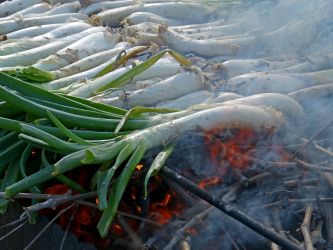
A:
116, 229
165, 201
209, 181
235, 150
161, 215
163, 211
138, 167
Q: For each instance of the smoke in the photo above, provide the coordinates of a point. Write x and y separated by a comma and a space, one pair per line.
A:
283, 27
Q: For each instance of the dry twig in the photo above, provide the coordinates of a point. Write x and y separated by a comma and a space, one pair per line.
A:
324, 150
328, 216
305, 228
67, 229
329, 178
58, 200
313, 167
14, 230
130, 232
48, 225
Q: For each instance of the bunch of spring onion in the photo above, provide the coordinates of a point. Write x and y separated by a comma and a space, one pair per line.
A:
84, 133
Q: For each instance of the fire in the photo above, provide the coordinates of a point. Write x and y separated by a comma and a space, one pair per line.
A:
209, 181
161, 215
163, 211
163, 206
159, 210
116, 229
138, 167
234, 150
165, 201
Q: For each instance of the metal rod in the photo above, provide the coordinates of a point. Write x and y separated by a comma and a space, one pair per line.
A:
229, 209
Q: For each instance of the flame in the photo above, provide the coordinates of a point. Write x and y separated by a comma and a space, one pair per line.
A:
163, 211
209, 181
161, 216
138, 167
235, 151
117, 229
165, 201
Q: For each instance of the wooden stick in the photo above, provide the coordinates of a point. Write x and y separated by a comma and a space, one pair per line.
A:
313, 167
305, 228
328, 216
56, 201
324, 150
311, 139
329, 178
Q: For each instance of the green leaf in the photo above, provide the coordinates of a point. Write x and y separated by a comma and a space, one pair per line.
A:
104, 178
123, 79
66, 131
112, 66
71, 184
12, 152
96, 105
157, 165
89, 157
35, 91
62, 178
23, 163
30, 73
51, 140
118, 189
32, 180
180, 58
140, 110
36, 75
121, 59
12, 175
